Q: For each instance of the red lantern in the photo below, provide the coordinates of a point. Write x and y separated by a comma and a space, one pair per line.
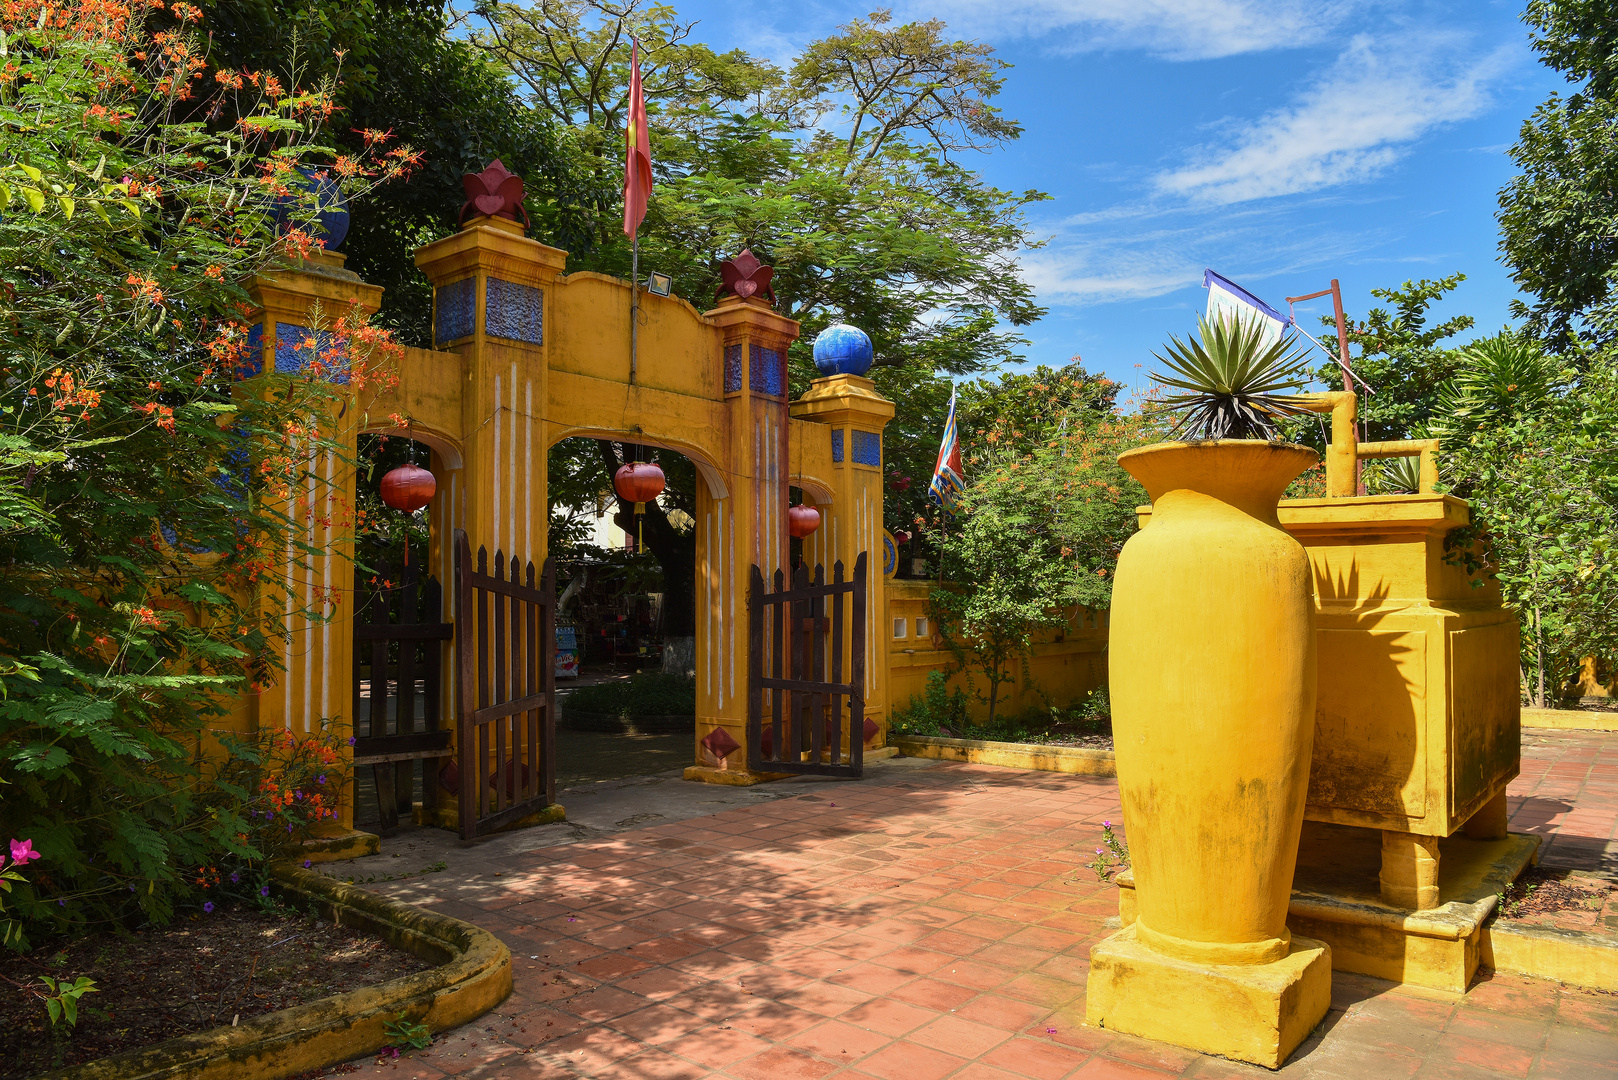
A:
638, 482
408, 488
802, 520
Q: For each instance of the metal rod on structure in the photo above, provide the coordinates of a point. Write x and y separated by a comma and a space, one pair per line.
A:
634, 304
1342, 361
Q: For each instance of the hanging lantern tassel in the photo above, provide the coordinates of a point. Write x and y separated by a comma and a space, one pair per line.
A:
407, 489
638, 482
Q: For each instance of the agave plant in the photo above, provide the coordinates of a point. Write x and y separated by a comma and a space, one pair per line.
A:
1394, 476
1237, 386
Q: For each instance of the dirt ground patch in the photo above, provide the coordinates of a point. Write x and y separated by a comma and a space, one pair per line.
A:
1562, 898
201, 972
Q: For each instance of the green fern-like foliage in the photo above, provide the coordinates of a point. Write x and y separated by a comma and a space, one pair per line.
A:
1236, 386
1499, 377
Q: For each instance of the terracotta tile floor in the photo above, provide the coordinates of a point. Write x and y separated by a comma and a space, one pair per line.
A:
1568, 794
934, 922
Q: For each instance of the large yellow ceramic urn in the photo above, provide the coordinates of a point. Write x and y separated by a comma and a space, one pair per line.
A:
1212, 670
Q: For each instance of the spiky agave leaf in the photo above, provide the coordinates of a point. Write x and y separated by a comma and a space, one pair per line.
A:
1394, 476
1236, 385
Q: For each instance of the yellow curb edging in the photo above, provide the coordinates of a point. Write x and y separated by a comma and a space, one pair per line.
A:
1543, 952
1062, 759
1569, 720
473, 976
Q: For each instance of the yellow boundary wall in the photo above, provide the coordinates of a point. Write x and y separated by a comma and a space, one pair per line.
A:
1569, 720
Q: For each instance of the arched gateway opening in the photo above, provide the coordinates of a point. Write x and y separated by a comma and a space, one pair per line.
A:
525, 357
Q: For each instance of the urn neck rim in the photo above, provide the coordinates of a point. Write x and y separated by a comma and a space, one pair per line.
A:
1248, 474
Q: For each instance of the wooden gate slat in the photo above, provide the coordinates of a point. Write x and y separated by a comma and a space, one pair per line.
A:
513, 717
797, 679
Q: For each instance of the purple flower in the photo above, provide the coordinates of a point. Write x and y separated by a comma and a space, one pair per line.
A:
306, 863
22, 851
61, 903
264, 890
321, 779
208, 907
1106, 824
351, 740
1101, 851
234, 878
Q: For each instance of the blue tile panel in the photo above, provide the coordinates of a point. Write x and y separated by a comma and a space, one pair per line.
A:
457, 309
767, 373
251, 362
867, 448
837, 444
292, 352
514, 311
733, 368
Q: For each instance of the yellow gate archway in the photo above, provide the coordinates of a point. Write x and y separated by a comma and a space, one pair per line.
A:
524, 356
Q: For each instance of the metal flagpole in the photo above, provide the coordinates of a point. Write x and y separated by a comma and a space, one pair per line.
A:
1349, 377
634, 305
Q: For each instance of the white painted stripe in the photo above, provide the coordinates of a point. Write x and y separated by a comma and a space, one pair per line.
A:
286, 620
325, 582
308, 592
510, 531
494, 473
528, 470
707, 598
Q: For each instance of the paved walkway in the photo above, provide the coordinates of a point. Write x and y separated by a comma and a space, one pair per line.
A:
930, 921
1568, 794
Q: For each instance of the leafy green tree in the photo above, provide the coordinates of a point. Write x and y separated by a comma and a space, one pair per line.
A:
1559, 215
1046, 510
845, 172
140, 493
404, 71
1529, 444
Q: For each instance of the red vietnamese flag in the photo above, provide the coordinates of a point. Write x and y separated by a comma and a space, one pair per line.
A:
638, 149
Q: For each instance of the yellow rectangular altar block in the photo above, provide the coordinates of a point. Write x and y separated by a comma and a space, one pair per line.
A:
1417, 720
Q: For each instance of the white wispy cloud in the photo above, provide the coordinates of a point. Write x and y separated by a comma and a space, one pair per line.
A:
1363, 115
1177, 29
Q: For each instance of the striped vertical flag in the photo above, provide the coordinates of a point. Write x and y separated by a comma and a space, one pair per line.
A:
638, 149
948, 483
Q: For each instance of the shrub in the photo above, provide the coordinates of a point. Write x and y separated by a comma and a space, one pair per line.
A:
142, 526
937, 708
647, 693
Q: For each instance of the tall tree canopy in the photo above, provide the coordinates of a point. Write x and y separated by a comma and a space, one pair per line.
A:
847, 171
1559, 215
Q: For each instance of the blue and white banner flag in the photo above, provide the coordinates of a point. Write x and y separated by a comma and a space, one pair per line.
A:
948, 483
1228, 300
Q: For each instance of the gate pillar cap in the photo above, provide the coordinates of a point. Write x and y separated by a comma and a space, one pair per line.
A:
841, 398
494, 246
754, 314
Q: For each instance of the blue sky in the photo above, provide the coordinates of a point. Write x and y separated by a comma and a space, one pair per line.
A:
1280, 142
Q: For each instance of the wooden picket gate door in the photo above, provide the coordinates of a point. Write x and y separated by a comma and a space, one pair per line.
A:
505, 645
804, 636
397, 633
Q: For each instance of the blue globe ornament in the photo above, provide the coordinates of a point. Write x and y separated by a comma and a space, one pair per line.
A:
331, 224
841, 349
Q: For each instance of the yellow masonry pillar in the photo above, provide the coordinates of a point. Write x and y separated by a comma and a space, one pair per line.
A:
852, 524
313, 602
491, 291
747, 526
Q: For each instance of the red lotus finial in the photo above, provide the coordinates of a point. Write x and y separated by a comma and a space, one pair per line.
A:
745, 276
494, 192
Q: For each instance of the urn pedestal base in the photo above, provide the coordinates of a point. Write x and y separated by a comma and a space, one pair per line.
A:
1336, 898
1250, 1012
